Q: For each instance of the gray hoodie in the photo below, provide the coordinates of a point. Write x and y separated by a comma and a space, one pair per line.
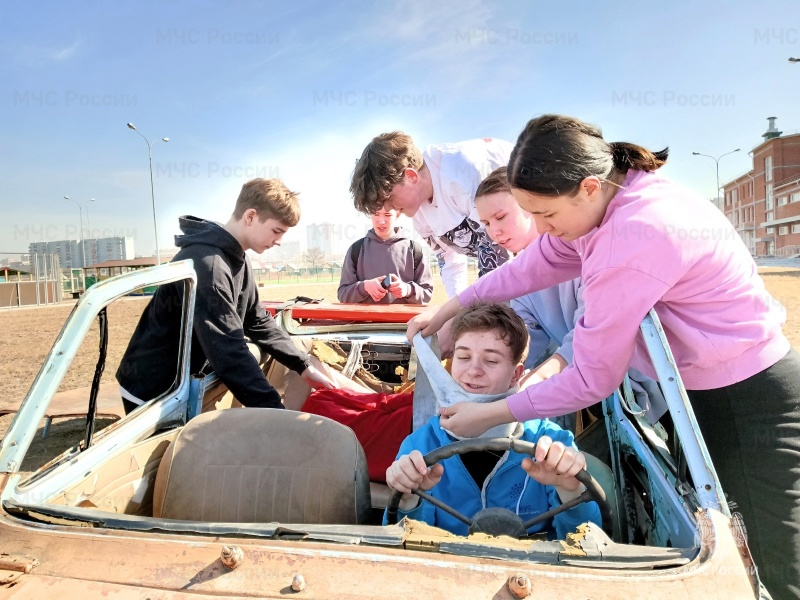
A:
380, 258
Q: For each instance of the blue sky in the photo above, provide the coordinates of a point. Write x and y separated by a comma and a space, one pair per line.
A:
296, 90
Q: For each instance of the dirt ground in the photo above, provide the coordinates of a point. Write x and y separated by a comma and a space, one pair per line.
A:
26, 336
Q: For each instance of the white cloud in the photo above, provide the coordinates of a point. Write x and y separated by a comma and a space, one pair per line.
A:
68, 52
454, 52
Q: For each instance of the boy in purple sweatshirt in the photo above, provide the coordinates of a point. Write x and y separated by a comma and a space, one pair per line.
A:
639, 241
383, 253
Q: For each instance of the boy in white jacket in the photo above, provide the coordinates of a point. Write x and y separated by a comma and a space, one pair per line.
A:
436, 187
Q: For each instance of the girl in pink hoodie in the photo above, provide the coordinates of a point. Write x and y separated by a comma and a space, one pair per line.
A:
640, 241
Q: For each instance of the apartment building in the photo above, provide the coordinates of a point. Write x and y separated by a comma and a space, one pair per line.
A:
764, 204
75, 254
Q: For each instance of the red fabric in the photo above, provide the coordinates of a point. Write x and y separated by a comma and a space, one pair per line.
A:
380, 421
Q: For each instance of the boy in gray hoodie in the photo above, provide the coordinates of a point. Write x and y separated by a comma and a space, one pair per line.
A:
227, 310
383, 253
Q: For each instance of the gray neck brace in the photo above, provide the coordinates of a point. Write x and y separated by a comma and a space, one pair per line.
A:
448, 392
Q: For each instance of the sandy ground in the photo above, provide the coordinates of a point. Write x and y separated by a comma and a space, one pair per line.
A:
784, 285
26, 336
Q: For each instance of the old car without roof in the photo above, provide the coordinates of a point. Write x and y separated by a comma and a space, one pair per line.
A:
168, 502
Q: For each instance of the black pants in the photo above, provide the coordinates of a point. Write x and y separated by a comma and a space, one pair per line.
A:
752, 430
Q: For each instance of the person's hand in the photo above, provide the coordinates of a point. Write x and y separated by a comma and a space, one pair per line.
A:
445, 339
399, 288
529, 379
556, 465
317, 379
421, 322
374, 288
408, 473
432, 320
470, 419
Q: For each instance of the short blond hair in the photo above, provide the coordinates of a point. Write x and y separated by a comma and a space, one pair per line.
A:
381, 167
271, 199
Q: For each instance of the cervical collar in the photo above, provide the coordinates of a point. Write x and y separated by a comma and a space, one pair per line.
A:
448, 392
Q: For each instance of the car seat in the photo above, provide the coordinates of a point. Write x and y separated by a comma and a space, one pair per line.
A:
261, 465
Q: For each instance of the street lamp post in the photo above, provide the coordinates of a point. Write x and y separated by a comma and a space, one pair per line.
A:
152, 192
93, 251
716, 162
80, 213
88, 226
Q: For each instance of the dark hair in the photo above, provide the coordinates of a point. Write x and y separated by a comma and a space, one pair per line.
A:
485, 316
495, 181
382, 166
554, 153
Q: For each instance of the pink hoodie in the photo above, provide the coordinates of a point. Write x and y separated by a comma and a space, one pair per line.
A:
659, 245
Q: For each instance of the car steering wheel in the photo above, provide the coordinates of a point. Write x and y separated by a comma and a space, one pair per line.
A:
501, 521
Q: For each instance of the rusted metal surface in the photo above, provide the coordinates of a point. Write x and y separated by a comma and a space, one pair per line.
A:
21, 564
316, 326
133, 565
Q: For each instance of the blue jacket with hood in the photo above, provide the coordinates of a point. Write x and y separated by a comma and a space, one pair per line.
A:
507, 486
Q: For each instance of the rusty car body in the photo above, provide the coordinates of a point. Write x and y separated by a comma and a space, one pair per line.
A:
83, 525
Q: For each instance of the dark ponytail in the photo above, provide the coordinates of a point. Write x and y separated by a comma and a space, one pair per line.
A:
554, 153
630, 156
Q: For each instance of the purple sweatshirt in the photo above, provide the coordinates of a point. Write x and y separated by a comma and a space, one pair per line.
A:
659, 245
380, 258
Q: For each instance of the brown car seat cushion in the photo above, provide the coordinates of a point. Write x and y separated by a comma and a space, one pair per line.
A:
261, 465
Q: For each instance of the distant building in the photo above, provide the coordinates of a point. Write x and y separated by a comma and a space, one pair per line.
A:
323, 236
113, 248
764, 204
68, 251
287, 251
71, 253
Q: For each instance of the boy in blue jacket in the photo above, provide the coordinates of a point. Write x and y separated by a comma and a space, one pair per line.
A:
489, 350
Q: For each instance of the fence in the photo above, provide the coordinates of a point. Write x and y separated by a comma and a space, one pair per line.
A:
73, 282
788, 251
33, 284
293, 274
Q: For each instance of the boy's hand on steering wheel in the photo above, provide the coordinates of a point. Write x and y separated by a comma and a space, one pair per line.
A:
556, 465
408, 473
